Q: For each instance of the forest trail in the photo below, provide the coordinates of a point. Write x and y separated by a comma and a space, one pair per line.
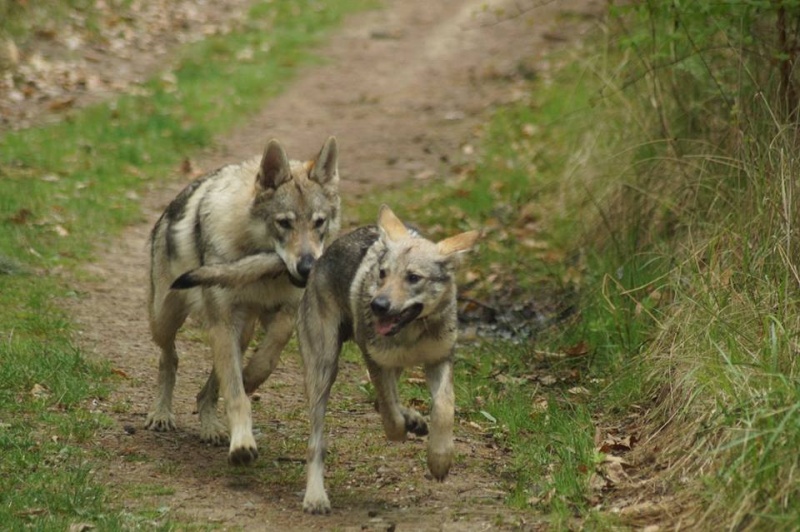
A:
405, 90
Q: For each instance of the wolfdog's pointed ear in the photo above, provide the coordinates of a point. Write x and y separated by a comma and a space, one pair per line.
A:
458, 243
274, 169
390, 225
326, 165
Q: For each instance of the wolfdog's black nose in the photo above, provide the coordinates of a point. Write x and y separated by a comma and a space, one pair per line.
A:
380, 305
305, 265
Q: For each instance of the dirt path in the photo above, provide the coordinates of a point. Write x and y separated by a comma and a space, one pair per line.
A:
403, 89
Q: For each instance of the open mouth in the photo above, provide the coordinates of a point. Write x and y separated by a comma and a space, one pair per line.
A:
390, 325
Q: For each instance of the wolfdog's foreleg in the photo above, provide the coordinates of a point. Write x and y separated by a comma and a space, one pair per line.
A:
320, 346
224, 337
167, 314
440, 442
384, 380
397, 419
212, 430
278, 329
249, 269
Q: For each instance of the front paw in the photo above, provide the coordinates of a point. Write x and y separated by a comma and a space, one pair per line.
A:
160, 422
243, 451
415, 423
439, 462
242, 456
214, 432
316, 504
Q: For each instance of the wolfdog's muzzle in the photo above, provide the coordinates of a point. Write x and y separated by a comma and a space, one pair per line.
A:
389, 322
303, 267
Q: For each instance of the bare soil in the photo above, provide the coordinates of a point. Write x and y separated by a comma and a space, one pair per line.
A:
405, 89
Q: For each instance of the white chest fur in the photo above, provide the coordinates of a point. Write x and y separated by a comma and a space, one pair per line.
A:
424, 351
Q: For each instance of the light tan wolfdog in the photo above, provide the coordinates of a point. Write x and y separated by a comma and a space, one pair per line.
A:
394, 294
266, 219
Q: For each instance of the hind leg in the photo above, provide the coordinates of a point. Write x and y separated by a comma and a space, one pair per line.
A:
165, 320
225, 338
212, 430
320, 346
278, 329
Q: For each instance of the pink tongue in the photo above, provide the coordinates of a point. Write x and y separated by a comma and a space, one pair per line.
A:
384, 327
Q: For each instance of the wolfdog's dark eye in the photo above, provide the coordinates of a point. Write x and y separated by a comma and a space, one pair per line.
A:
413, 278
382, 273
285, 223
319, 222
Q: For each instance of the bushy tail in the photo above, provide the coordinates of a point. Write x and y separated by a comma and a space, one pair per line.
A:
244, 271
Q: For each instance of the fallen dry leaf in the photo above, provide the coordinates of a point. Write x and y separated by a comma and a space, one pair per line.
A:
476, 426
547, 380
121, 373
529, 129
597, 482
471, 276
28, 512
187, 168
539, 405
614, 444
531, 243
20, 217
578, 390
533, 501
578, 350
611, 459
9, 54
60, 230
39, 391
614, 473
61, 104
502, 378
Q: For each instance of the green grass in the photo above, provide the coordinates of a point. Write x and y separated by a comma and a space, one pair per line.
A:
688, 278
730, 342
46, 389
549, 434
19, 20
723, 358
68, 187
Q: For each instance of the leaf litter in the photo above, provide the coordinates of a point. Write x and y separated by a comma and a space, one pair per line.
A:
74, 61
